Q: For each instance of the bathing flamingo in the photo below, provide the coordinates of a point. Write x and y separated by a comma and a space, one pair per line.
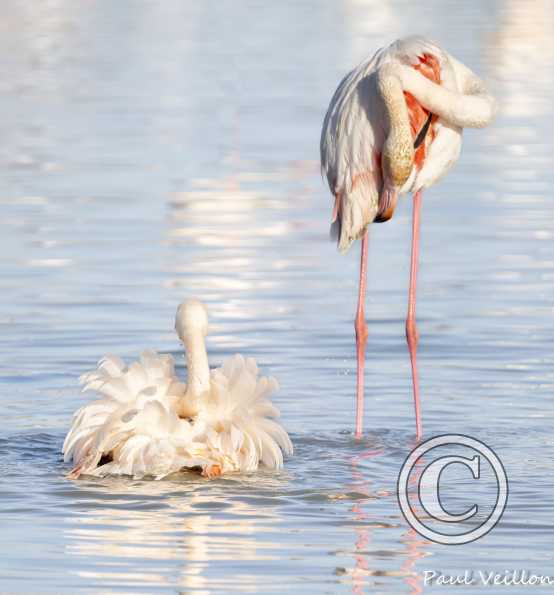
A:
147, 423
394, 125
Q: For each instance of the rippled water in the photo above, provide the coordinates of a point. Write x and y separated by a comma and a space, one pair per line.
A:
154, 151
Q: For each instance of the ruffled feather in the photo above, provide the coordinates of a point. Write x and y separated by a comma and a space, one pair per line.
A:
134, 428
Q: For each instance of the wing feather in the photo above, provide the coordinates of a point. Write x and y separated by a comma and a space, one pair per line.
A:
239, 418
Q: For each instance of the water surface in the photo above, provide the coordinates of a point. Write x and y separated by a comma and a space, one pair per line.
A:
154, 151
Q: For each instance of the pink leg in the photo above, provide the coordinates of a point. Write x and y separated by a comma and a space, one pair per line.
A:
411, 330
361, 339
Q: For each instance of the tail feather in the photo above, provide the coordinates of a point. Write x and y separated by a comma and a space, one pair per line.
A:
241, 417
358, 209
134, 410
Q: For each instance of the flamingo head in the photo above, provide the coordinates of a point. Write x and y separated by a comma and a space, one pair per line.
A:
397, 161
191, 320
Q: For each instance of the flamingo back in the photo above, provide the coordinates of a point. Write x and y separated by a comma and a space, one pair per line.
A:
355, 128
134, 429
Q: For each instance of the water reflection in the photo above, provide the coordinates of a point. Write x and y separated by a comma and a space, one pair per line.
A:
371, 563
416, 549
522, 57
363, 529
191, 524
236, 210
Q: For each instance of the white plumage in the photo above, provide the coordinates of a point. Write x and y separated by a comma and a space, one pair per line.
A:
357, 125
147, 423
394, 125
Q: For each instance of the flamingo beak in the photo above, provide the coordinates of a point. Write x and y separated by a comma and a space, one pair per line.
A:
387, 203
422, 133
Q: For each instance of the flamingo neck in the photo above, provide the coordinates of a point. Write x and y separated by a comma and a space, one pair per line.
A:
397, 157
466, 104
197, 365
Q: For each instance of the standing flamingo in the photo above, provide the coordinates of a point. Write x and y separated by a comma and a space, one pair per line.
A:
394, 125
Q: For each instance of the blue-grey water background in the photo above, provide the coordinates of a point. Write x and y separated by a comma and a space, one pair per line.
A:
151, 151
